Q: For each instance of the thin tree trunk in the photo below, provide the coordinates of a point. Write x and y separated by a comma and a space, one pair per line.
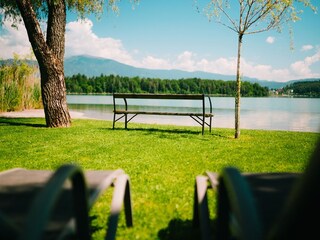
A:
238, 90
50, 55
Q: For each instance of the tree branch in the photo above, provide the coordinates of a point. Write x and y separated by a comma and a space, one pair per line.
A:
273, 23
33, 28
248, 13
234, 28
56, 27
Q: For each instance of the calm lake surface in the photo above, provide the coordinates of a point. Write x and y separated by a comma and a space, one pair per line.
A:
270, 113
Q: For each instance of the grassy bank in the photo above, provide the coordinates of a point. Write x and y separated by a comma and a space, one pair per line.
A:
162, 162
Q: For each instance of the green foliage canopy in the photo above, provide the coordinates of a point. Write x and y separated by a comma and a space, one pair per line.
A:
109, 84
81, 7
254, 16
309, 89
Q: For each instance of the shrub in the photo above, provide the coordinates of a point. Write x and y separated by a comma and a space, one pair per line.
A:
19, 85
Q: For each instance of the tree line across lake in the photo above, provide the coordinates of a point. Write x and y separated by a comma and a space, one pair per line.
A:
82, 84
308, 89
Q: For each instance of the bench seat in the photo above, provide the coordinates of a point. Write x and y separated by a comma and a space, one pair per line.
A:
163, 113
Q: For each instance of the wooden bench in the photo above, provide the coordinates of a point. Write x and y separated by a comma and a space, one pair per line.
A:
124, 112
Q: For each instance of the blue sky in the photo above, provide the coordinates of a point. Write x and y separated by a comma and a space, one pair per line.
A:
176, 34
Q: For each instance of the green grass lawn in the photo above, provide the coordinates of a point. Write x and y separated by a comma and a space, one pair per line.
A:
162, 162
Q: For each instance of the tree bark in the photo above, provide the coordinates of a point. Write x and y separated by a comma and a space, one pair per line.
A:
238, 90
50, 57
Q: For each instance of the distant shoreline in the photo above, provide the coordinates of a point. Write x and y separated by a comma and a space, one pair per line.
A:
210, 95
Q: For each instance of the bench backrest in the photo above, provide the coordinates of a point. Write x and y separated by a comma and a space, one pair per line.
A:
160, 96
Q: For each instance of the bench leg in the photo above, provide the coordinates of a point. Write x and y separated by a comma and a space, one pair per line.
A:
126, 121
121, 196
203, 122
201, 217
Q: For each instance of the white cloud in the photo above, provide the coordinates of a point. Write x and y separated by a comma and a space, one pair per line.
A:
185, 61
265, 72
270, 40
221, 65
228, 66
14, 40
155, 63
306, 47
302, 68
81, 40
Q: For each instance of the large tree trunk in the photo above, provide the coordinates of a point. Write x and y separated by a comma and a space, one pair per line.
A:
54, 95
238, 90
50, 55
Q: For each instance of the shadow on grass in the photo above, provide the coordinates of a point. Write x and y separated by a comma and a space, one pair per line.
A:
93, 226
176, 131
178, 229
20, 122
221, 136
160, 130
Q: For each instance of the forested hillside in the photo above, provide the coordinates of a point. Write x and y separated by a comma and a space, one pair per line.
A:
310, 89
110, 84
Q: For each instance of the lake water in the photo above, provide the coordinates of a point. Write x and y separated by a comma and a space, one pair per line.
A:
270, 113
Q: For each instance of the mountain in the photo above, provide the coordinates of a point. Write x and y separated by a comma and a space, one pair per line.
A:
93, 66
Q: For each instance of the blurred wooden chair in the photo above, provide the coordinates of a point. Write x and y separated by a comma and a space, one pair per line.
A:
42, 204
261, 205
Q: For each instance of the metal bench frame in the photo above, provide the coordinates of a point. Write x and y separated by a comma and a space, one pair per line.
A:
200, 118
45, 204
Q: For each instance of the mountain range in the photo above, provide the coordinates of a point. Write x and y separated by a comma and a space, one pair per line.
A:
95, 66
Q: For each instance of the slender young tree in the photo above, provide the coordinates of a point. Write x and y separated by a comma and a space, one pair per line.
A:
249, 17
49, 46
